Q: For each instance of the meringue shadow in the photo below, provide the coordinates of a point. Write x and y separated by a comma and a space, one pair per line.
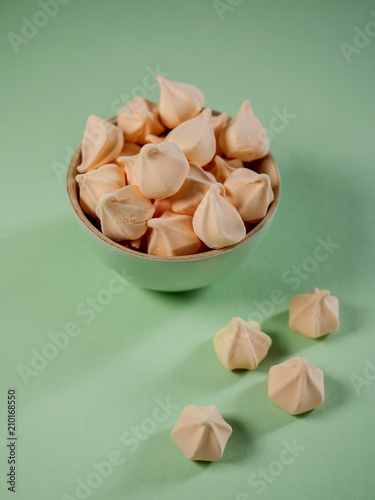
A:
237, 448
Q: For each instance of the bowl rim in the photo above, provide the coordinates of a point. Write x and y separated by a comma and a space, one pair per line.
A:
72, 190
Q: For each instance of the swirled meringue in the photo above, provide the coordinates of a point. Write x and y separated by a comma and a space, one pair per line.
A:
244, 137
127, 164
201, 433
178, 102
195, 186
94, 183
296, 386
222, 168
218, 123
241, 344
196, 138
101, 144
250, 193
138, 118
124, 213
314, 314
216, 221
172, 235
160, 170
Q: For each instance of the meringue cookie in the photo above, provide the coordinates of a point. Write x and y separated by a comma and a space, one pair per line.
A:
172, 235
296, 386
221, 168
160, 170
101, 144
196, 138
250, 193
201, 433
127, 163
314, 314
216, 221
241, 344
162, 206
124, 213
267, 166
155, 139
244, 137
130, 149
218, 123
195, 186
93, 184
138, 118
178, 102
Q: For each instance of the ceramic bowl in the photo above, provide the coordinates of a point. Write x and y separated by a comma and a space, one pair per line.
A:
171, 274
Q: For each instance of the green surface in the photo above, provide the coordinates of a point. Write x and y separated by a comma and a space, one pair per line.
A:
144, 347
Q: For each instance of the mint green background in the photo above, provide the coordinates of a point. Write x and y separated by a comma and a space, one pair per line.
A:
144, 345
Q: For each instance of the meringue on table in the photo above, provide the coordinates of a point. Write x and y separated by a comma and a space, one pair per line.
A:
178, 101
101, 144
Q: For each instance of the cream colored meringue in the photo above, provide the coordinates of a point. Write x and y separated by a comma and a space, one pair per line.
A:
160, 170
250, 193
201, 433
314, 314
162, 206
218, 124
267, 166
155, 139
178, 102
172, 235
296, 386
244, 137
138, 118
127, 163
101, 144
124, 213
129, 149
241, 344
94, 183
196, 138
216, 221
195, 186
221, 168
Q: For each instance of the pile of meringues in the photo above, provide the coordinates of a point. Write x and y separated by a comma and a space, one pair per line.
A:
169, 179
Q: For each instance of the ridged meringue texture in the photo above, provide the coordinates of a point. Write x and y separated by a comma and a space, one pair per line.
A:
296, 386
241, 345
201, 433
195, 186
216, 221
160, 170
139, 118
314, 314
127, 163
172, 235
95, 183
218, 123
101, 144
178, 101
124, 213
250, 193
196, 138
244, 136
222, 168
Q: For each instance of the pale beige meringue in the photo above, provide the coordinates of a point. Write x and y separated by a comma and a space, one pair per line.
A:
155, 139
314, 314
296, 386
172, 235
162, 206
196, 138
178, 102
216, 221
221, 168
250, 193
124, 213
101, 144
195, 186
218, 123
138, 118
244, 137
160, 170
129, 149
127, 164
94, 183
267, 166
201, 433
241, 344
